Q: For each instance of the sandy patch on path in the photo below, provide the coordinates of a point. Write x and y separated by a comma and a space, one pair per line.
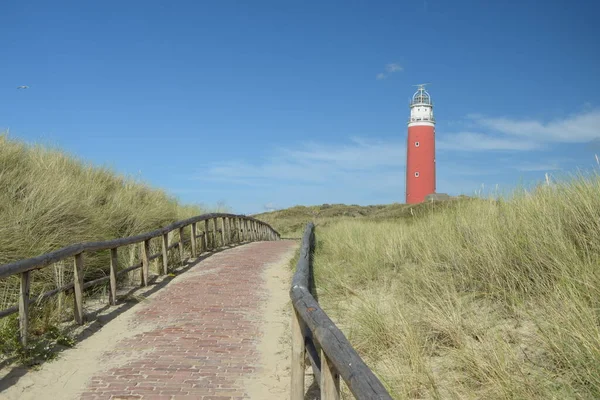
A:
272, 379
67, 376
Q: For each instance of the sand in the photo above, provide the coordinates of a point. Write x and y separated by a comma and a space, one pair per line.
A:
272, 382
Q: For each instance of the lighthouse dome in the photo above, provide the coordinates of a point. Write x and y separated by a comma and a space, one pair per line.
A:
421, 97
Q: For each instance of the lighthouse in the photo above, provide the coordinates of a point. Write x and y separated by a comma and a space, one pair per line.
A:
420, 148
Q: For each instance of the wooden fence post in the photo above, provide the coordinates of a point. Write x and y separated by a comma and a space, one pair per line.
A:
145, 250
193, 239
215, 224
165, 253
223, 242
330, 380
181, 250
298, 358
24, 307
233, 229
205, 238
230, 230
78, 287
114, 265
223, 231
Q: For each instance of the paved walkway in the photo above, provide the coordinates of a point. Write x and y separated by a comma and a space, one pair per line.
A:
205, 337
199, 337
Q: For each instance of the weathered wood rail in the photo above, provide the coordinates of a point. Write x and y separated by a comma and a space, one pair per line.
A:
233, 229
316, 336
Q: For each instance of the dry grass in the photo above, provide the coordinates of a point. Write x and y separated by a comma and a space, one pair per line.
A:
290, 222
49, 199
479, 299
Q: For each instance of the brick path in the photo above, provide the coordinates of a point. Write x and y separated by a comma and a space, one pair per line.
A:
208, 325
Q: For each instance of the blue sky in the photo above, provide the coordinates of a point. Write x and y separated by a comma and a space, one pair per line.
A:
275, 103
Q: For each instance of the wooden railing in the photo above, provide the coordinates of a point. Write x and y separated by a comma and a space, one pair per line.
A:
234, 229
316, 336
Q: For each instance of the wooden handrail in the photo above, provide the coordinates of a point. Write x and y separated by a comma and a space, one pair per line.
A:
235, 230
55, 256
313, 329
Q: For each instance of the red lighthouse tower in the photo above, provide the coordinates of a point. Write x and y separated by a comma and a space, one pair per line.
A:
420, 148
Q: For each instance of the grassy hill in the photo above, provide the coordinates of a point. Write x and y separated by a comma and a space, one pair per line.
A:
50, 199
470, 299
290, 222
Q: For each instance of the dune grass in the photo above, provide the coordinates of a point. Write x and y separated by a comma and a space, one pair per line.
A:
481, 300
290, 222
470, 298
50, 199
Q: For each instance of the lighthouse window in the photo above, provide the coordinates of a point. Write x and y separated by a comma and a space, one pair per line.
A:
417, 144
416, 174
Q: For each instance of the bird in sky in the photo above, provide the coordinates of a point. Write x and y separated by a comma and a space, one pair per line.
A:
23, 87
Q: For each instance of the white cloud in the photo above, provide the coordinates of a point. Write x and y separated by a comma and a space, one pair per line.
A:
389, 69
361, 162
470, 141
358, 154
540, 167
576, 128
393, 68
523, 135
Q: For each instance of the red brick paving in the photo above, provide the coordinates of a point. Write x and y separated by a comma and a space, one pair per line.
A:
208, 330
